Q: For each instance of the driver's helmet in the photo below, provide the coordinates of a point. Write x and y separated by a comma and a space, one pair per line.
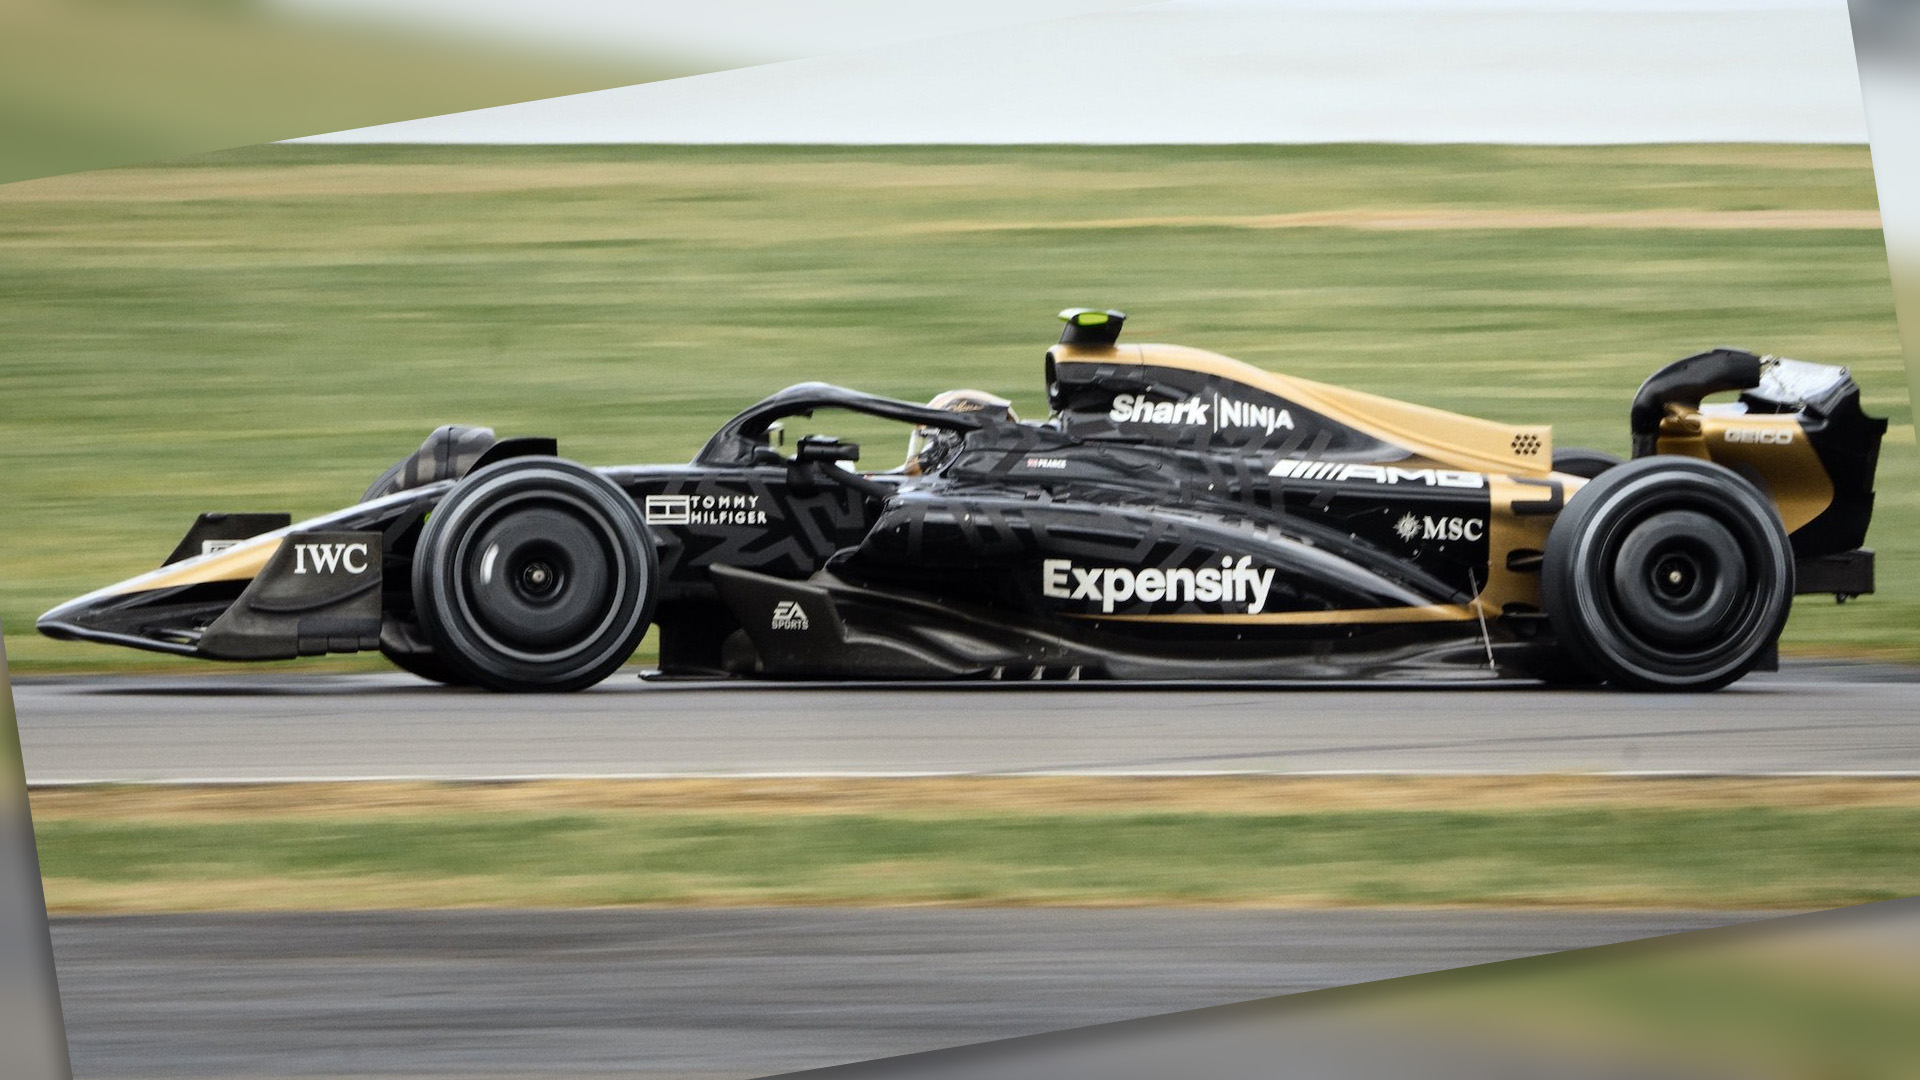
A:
929, 447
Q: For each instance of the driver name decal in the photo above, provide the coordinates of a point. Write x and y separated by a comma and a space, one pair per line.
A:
1239, 584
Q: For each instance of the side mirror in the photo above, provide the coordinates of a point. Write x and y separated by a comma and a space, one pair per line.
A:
825, 449
815, 462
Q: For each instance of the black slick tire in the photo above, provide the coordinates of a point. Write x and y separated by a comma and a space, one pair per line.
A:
1667, 574
535, 574
428, 666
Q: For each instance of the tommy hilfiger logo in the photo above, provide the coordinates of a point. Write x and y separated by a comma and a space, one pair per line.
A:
704, 510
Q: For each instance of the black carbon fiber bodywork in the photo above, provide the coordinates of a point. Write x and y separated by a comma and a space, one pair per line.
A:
982, 566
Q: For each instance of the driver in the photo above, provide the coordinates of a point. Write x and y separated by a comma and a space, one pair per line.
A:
929, 447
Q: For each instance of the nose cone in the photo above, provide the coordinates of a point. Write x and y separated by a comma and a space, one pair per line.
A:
57, 623
161, 620
73, 620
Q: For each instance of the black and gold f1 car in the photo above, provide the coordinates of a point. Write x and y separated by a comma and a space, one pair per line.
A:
1180, 515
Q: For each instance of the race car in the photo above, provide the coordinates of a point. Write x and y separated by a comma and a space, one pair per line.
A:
1179, 516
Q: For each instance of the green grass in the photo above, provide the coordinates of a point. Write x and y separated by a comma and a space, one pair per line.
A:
1644, 857
269, 328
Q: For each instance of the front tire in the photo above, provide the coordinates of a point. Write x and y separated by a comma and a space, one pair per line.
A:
406, 647
428, 666
1668, 573
535, 574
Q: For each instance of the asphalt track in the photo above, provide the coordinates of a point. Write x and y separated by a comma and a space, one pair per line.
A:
1808, 718
710, 993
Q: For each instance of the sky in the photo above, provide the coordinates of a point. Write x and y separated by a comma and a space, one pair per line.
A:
1178, 71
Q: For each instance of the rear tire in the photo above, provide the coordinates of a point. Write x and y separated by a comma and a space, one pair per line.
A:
534, 574
1668, 573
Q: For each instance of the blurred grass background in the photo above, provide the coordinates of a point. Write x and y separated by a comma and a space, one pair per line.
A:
268, 328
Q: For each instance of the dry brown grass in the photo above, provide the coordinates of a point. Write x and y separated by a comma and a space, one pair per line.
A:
330, 181
1446, 219
193, 183
947, 795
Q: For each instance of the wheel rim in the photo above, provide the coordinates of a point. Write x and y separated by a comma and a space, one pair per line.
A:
539, 576
1691, 631
1680, 579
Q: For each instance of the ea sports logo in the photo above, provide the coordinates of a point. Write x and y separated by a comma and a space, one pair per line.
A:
789, 615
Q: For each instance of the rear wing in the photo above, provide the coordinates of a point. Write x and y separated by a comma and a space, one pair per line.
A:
1797, 432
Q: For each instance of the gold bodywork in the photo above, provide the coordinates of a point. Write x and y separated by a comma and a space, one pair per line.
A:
1425, 613
1771, 450
1525, 495
242, 562
1443, 438
1515, 458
